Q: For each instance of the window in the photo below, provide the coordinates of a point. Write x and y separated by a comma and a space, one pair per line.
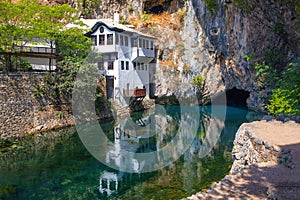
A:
139, 66
126, 41
121, 40
117, 38
127, 65
140, 43
94, 39
110, 65
101, 39
101, 65
110, 39
142, 66
122, 65
134, 65
146, 67
101, 29
147, 44
151, 45
133, 42
144, 44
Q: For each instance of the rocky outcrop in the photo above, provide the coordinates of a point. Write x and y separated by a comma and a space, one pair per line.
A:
217, 37
265, 163
213, 39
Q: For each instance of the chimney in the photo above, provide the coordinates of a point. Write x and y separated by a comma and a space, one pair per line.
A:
116, 17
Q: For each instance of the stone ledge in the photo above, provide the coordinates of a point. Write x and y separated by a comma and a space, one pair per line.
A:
264, 163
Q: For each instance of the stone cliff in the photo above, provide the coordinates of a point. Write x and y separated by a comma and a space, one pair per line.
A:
217, 37
211, 40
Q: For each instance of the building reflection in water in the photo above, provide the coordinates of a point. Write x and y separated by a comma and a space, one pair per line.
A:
153, 131
108, 183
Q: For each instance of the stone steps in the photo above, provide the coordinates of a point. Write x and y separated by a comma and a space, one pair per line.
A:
121, 112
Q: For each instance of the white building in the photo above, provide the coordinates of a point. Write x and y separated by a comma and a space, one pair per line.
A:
41, 54
126, 58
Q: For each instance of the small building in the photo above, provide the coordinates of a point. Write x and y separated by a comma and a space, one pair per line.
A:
40, 54
127, 58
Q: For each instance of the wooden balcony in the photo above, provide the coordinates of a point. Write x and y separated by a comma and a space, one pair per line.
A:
134, 92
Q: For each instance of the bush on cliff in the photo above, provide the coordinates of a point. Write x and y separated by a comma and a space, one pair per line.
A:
286, 97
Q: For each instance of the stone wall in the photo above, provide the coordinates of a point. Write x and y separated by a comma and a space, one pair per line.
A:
20, 113
250, 149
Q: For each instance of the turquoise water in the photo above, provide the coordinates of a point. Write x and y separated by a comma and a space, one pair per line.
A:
56, 165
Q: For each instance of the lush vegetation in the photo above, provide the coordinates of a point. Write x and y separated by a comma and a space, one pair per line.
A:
27, 21
200, 86
284, 83
286, 96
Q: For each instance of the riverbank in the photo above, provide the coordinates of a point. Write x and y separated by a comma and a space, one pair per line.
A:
266, 163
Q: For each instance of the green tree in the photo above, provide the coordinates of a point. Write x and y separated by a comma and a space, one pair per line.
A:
286, 97
25, 20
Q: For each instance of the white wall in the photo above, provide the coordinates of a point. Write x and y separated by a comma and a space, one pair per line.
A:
122, 78
40, 63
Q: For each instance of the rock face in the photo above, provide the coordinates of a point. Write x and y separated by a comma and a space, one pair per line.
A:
213, 40
217, 39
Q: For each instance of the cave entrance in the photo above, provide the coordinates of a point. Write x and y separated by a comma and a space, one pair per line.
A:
237, 98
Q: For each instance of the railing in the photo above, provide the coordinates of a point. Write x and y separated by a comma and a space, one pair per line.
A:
134, 92
33, 49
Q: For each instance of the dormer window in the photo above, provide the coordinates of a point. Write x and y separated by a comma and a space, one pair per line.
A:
101, 29
110, 39
101, 39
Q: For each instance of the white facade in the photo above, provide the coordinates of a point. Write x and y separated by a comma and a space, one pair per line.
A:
39, 53
126, 56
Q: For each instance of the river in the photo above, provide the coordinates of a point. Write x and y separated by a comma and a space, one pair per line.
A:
56, 164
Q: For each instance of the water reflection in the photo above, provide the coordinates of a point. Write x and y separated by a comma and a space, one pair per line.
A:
70, 172
155, 129
151, 142
108, 183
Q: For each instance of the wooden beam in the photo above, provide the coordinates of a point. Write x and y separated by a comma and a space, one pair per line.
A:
35, 55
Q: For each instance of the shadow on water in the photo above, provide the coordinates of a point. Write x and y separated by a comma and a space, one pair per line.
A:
56, 165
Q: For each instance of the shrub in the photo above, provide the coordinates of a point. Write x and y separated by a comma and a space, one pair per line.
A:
198, 82
286, 99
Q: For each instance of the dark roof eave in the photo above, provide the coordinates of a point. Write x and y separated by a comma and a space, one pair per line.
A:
98, 24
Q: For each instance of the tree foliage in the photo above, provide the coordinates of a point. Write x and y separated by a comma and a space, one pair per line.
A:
286, 98
24, 21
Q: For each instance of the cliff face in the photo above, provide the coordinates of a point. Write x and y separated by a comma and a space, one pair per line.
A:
213, 40
216, 38
225, 32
